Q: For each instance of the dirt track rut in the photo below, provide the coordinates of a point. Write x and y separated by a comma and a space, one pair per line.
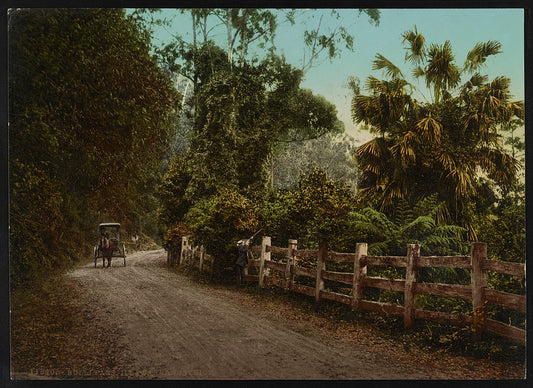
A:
175, 328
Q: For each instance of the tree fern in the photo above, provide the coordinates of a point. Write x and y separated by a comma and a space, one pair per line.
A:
402, 213
423, 225
426, 206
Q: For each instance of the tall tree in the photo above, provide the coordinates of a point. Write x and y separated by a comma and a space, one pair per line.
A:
232, 136
440, 146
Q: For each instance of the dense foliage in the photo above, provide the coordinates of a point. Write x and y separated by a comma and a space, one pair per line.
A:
218, 221
90, 116
232, 141
240, 113
313, 211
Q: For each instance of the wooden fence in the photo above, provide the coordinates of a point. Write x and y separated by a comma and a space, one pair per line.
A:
358, 280
190, 253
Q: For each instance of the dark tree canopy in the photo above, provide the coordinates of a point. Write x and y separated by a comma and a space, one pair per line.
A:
90, 117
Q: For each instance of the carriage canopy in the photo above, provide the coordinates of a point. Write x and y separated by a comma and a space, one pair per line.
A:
113, 228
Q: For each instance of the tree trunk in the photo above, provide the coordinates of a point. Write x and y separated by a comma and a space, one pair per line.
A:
230, 41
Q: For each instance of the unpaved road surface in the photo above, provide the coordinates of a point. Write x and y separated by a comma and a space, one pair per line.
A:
175, 328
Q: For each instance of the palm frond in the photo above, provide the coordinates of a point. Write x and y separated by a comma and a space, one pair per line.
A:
404, 150
478, 123
430, 128
359, 108
373, 84
441, 72
499, 88
391, 193
499, 165
373, 147
462, 180
446, 160
475, 81
517, 109
418, 72
478, 55
390, 70
416, 49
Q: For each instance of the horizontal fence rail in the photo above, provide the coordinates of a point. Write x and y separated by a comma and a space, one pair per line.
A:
282, 272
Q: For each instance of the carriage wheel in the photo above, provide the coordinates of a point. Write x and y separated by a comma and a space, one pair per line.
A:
95, 256
124, 253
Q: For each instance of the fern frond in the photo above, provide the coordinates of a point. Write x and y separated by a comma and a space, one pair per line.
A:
420, 226
402, 212
426, 206
379, 248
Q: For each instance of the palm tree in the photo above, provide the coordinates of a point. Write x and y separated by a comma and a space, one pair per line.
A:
442, 145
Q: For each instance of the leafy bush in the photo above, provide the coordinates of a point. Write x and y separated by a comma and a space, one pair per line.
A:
316, 210
219, 221
173, 237
171, 192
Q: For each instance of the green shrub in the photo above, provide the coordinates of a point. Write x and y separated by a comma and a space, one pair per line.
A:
218, 222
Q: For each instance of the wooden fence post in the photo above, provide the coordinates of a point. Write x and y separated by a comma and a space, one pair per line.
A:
184, 241
413, 253
359, 273
320, 266
264, 256
289, 277
478, 253
201, 265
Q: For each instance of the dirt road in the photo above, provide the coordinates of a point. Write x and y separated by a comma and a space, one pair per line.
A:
175, 328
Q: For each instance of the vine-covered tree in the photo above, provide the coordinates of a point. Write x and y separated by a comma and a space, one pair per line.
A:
232, 139
90, 117
441, 146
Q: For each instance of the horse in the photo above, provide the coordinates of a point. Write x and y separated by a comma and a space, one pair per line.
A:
107, 246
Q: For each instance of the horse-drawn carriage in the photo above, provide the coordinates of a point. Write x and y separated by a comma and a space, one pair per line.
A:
109, 243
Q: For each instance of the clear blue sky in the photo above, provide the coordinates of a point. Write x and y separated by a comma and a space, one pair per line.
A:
462, 27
